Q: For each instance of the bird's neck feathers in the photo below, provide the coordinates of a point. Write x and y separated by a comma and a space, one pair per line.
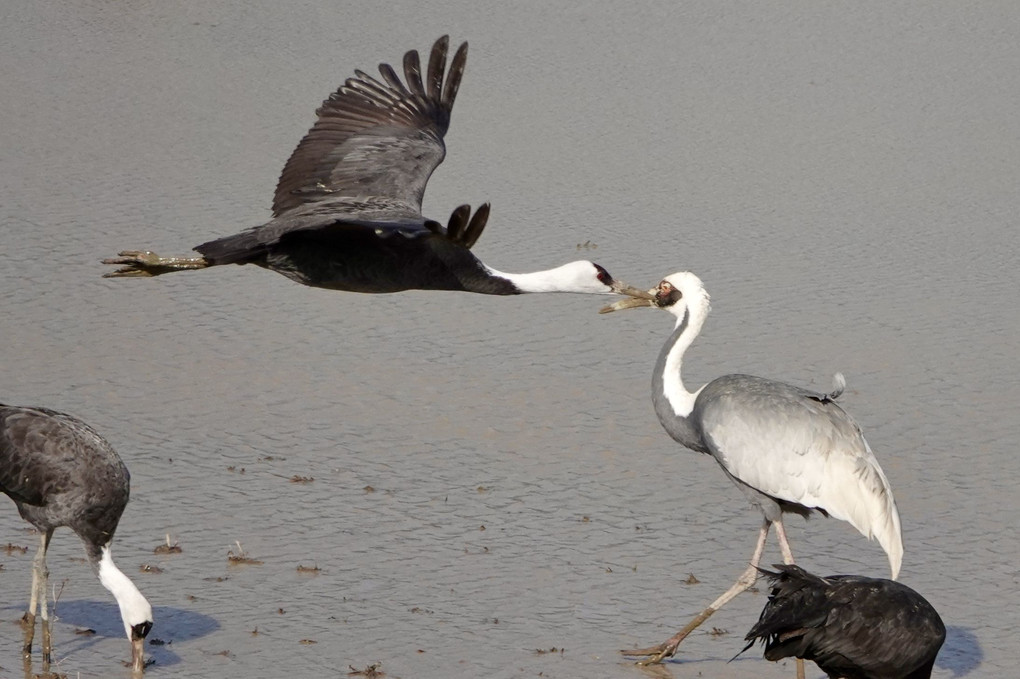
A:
688, 325
580, 276
134, 608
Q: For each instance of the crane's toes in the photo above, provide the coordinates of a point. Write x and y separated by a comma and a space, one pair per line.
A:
653, 654
128, 272
139, 263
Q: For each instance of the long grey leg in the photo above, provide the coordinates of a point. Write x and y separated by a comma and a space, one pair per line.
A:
666, 649
784, 546
37, 599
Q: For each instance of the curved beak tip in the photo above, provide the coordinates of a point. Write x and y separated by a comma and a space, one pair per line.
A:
635, 298
621, 288
629, 303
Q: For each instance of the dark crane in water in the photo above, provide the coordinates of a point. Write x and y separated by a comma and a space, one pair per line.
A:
60, 472
347, 210
851, 626
788, 449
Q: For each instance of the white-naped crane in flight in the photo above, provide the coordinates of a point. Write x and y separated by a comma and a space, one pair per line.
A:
60, 472
347, 210
787, 448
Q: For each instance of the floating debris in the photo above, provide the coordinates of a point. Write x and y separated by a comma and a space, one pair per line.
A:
691, 579
10, 549
371, 671
315, 570
308, 642
158, 642
718, 631
543, 651
301, 479
368, 489
168, 547
241, 557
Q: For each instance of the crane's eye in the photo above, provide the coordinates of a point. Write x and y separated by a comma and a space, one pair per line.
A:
603, 275
667, 294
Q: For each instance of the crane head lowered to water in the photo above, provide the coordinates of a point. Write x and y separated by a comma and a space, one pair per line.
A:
61, 472
787, 448
347, 210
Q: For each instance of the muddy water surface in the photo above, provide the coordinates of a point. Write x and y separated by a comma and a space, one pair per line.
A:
460, 486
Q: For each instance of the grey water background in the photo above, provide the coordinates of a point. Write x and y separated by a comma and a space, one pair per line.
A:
489, 477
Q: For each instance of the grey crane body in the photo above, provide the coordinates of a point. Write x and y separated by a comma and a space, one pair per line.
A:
60, 472
74, 478
347, 209
851, 626
766, 434
717, 402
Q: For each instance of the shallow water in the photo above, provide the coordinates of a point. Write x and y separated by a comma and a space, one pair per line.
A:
489, 480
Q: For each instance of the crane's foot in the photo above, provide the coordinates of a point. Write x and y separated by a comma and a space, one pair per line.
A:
28, 626
140, 264
654, 654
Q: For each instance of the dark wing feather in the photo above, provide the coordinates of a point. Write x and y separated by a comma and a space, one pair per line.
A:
849, 625
376, 141
44, 453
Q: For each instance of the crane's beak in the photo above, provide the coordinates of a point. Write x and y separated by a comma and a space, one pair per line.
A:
621, 288
635, 298
137, 656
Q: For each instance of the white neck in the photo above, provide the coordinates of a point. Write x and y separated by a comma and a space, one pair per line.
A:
134, 608
681, 400
573, 277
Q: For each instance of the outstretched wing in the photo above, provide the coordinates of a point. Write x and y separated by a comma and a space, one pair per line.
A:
376, 142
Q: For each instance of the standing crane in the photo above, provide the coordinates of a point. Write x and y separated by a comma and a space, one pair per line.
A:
788, 449
60, 472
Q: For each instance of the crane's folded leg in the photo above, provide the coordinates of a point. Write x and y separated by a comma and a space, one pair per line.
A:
141, 264
666, 649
